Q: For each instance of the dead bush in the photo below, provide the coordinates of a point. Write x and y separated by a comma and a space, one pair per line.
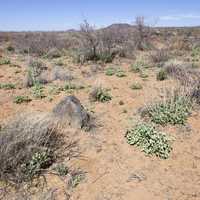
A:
28, 145
159, 56
59, 73
54, 53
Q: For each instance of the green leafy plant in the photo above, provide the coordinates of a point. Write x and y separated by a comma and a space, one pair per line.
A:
21, 99
136, 86
149, 140
162, 75
61, 169
7, 86
120, 73
137, 66
39, 161
4, 61
143, 75
76, 178
38, 91
172, 111
100, 94
110, 71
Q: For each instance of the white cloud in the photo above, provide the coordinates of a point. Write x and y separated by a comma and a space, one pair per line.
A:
179, 17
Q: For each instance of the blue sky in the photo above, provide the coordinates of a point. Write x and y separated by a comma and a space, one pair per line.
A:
20, 15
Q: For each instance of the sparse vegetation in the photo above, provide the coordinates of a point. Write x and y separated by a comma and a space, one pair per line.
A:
100, 94
110, 71
22, 99
161, 75
136, 86
38, 91
61, 169
7, 86
4, 61
171, 111
120, 73
149, 140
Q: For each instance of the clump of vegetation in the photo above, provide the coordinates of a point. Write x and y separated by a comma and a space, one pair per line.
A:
54, 53
38, 91
4, 61
110, 71
22, 99
71, 86
100, 94
38, 161
172, 111
10, 48
136, 67
162, 75
144, 75
28, 145
149, 140
136, 86
76, 178
61, 169
7, 86
120, 73
160, 56
35, 69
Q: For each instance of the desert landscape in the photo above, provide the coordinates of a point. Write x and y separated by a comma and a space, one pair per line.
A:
100, 113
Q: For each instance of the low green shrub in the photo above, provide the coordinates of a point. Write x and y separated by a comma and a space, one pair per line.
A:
110, 71
120, 73
149, 140
173, 111
136, 86
162, 75
38, 91
7, 86
4, 61
21, 99
100, 94
61, 169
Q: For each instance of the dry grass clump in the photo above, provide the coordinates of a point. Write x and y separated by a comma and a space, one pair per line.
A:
28, 145
59, 73
159, 56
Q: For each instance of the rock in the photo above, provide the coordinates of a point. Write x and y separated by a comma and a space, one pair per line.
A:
71, 110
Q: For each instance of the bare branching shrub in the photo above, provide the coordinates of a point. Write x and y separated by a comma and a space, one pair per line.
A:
159, 56
27, 146
39, 43
59, 73
143, 33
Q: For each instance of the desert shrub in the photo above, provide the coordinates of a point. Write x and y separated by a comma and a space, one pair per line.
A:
10, 48
61, 169
110, 71
27, 146
171, 111
4, 61
60, 73
53, 53
149, 140
35, 69
7, 86
195, 52
76, 178
21, 99
100, 94
137, 66
38, 91
161, 75
159, 56
143, 75
136, 86
142, 34
120, 73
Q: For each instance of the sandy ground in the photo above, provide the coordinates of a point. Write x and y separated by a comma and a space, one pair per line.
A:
114, 169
